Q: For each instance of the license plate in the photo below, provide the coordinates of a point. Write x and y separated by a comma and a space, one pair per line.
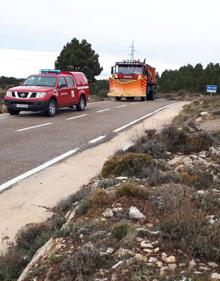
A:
22, 105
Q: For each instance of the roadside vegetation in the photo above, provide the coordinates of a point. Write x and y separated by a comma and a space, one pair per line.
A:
192, 79
152, 214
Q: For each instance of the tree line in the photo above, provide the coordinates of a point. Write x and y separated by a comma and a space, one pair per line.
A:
6, 82
193, 79
79, 56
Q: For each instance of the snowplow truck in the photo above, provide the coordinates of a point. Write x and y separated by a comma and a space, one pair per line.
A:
132, 79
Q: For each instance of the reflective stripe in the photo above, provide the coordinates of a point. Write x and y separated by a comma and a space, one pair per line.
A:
83, 87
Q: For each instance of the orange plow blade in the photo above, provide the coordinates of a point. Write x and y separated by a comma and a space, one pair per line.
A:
133, 88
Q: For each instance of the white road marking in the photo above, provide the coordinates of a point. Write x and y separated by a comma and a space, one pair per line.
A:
133, 103
33, 127
76, 117
103, 110
97, 139
120, 106
14, 181
96, 102
141, 118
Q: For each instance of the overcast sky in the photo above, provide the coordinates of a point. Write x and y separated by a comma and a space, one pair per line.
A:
169, 33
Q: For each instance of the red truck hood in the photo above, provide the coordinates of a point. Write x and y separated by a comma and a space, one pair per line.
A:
31, 89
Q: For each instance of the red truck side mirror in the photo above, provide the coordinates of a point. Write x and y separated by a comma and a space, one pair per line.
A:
112, 70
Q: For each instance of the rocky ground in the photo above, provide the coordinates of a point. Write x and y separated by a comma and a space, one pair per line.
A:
152, 214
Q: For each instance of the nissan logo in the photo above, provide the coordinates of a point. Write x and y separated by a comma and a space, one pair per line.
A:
22, 95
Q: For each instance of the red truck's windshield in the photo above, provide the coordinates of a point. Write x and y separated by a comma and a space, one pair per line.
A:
39, 80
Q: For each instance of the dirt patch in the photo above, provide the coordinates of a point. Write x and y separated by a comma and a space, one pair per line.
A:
210, 125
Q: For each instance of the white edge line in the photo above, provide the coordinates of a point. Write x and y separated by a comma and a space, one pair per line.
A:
97, 139
103, 110
51, 162
76, 117
141, 118
33, 127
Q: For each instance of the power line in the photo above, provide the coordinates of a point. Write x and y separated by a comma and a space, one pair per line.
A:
132, 50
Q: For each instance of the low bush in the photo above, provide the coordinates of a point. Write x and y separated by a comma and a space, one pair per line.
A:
182, 224
11, 265
67, 204
120, 230
100, 198
177, 140
27, 234
183, 221
148, 146
197, 178
131, 190
29, 239
84, 206
207, 243
80, 265
131, 164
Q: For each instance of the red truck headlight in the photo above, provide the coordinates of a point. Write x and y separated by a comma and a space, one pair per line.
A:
9, 94
40, 95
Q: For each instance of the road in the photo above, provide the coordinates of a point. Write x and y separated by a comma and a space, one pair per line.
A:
31, 139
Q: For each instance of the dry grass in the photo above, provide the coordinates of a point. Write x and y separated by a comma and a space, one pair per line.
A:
131, 164
100, 198
131, 190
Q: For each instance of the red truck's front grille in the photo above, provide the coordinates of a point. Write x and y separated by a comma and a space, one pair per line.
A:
22, 94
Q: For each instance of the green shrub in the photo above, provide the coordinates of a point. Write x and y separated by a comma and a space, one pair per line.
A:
85, 261
120, 230
207, 243
131, 164
29, 239
131, 190
100, 198
53, 259
67, 204
197, 178
183, 221
12, 264
177, 140
84, 206
151, 147
27, 234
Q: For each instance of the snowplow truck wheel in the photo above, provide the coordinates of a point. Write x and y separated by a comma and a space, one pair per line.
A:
118, 98
150, 94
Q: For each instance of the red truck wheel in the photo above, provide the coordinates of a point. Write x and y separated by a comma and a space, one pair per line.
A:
13, 111
51, 108
82, 104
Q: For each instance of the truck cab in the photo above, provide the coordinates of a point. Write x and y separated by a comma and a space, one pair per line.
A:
132, 79
49, 91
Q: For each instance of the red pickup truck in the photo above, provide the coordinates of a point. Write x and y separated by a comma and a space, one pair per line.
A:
49, 91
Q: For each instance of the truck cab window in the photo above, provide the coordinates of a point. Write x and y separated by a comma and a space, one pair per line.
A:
62, 82
70, 82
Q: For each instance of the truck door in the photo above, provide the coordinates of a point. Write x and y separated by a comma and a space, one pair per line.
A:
63, 92
73, 91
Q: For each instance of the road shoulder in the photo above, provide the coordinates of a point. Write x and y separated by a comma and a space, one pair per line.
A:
30, 200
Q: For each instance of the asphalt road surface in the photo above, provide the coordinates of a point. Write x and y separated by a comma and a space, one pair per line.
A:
31, 139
